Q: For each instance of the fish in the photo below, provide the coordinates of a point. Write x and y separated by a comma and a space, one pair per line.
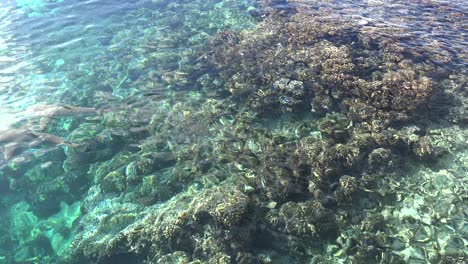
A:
14, 139
57, 110
46, 112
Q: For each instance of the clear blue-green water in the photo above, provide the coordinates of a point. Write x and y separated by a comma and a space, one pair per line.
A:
225, 131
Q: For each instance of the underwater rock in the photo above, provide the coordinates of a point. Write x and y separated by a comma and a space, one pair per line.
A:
38, 237
321, 104
176, 257
347, 190
290, 92
380, 159
426, 150
113, 182
165, 229
175, 78
334, 126
306, 220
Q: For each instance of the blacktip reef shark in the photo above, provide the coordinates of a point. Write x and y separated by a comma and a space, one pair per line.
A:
12, 140
46, 112
57, 110
28, 136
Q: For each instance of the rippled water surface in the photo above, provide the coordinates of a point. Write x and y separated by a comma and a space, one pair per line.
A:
268, 131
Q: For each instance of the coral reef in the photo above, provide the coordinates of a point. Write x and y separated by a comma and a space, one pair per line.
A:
293, 150
298, 62
307, 138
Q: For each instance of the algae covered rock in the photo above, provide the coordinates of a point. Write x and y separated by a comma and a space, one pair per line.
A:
40, 237
164, 229
428, 150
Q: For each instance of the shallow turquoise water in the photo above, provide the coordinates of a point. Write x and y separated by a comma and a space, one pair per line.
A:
158, 131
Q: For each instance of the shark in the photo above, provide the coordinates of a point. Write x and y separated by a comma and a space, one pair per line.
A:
14, 140
45, 113
57, 110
